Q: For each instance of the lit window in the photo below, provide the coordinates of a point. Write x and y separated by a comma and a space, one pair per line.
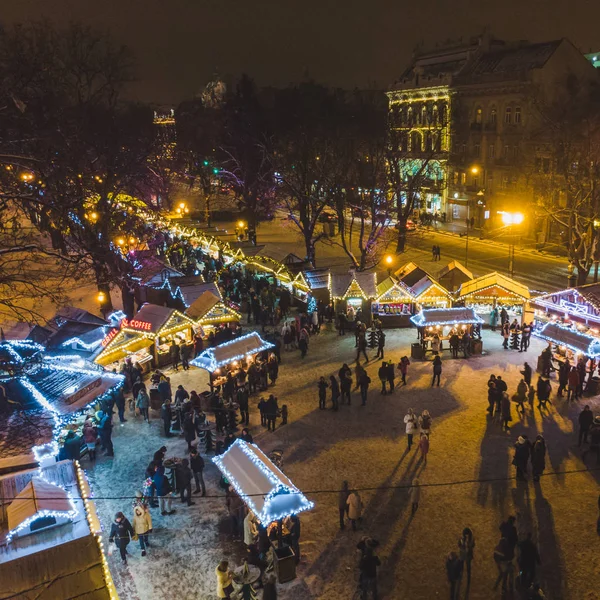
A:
486, 214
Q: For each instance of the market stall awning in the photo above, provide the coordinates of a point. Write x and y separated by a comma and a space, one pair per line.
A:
445, 316
571, 338
264, 488
219, 356
493, 285
38, 498
211, 309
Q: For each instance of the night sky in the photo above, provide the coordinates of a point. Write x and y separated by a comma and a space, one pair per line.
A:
178, 44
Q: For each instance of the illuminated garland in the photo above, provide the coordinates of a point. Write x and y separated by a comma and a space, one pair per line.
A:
593, 348
420, 320
76, 340
265, 516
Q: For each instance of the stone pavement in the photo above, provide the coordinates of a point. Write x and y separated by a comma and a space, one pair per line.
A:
468, 481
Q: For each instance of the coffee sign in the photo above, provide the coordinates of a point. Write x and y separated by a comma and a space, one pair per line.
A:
135, 324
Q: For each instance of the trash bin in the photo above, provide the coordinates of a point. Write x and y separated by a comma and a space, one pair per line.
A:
285, 564
476, 347
416, 351
592, 387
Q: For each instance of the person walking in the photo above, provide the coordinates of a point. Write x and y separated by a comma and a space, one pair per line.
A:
527, 372
197, 466
437, 371
175, 354
538, 457
503, 556
272, 409
142, 526
505, 409
505, 334
391, 375
322, 385
382, 373
521, 457
362, 347
574, 382
185, 352
242, 397
163, 491
165, 413
380, 344
424, 446
189, 430
494, 318
425, 422
121, 533
528, 559
120, 402
184, 481
410, 420
368, 574
585, 420
142, 403
343, 495
403, 366
543, 391
563, 377
466, 550
414, 496
521, 396
454, 569
335, 392
355, 508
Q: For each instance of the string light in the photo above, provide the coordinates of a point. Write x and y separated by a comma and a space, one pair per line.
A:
590, 345
436, 316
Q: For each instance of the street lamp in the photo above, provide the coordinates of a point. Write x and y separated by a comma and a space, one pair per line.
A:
509, 219
389, 259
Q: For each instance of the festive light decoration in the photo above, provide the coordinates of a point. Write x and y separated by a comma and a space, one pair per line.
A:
579, 343
207, 360
272, 508
445, 316
312, 304
75, 340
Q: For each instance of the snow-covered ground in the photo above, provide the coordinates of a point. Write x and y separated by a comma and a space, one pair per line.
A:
468, 478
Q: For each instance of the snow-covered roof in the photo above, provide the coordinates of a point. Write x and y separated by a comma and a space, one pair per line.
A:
192, 291
344, 285
445, 316
489, 282
39, 498
571, 338
264, 488
219, 356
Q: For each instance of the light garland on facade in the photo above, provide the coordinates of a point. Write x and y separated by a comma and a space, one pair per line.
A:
420, 320
265, 515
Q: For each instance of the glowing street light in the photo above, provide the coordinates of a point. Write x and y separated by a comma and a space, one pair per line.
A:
509, 219
474, 170
389, 259
512, 218
101, 297
121, 241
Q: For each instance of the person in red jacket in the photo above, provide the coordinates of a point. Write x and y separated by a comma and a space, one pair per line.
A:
574, 382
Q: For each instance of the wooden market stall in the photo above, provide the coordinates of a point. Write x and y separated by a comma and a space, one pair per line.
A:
424, 289
394, 303
231, 356
453, 275
209, 312
269, 494
352, 294
441, 324
495, 291
147, 337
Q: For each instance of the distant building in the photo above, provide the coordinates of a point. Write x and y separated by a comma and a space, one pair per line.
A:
479, 102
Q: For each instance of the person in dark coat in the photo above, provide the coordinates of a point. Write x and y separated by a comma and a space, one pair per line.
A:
105, 433
295, 536
120, 402
242, 400
121, 533
322, 385
164, 389
184, 477
538, 457
521, 457
271, 412
175, 354
526, 372
505, 411
529, 558
380, 344
165, 414
335, 392
574, 384
247, 436
563, 377
185, 356
594, 434
543, 391
382, 373
189, 430
454, 569
585, 419
273, 368
391, 375
197, 466
262, 408
363, 383
437, 371
345, 375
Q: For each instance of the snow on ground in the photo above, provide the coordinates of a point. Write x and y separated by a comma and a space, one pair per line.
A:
470, 457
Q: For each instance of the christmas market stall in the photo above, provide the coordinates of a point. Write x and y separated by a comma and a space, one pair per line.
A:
211, 313
269, 494
352, 294
438, 325
50, 536
394, 304
148, 337
453, 275
424, 289
231, 356
318, 284
495, 291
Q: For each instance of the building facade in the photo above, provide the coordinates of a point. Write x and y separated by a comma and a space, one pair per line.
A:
493, 95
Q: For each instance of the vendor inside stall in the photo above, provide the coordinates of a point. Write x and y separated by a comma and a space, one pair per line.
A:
394, 304
149, 338
425, 291
447, 329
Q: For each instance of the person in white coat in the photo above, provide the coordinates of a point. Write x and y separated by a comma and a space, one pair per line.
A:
355, 508
250, 530
412, 425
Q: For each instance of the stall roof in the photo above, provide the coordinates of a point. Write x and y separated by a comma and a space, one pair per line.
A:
410, 274
122, 345
267, 491
317, 278
70, 313
445, 316
342, 283
388, 284
211, 308
455, 266
153, 271
154, 317
571, 338
38, 497
191, 292
219, 356
494, 280
566, 300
